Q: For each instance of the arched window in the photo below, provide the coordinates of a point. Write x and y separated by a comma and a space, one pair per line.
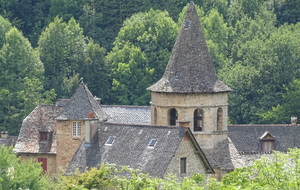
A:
198, 120
173, 116
155, 116
220, 119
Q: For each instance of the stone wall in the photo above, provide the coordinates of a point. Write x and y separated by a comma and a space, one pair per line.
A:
194, 163
51, 160
66, 143
186, 104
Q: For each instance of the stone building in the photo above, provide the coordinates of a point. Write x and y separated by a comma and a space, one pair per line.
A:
184, 131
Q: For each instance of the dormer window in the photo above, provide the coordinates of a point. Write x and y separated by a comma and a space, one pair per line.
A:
152, 143
76, 130
267, 142
187, 24
43, 136
110, 140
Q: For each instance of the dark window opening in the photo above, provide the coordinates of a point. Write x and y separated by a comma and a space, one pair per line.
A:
152, 142
220, 119
187, 24
43, 136
183, 165
43, 162
173, 116
110, 140
198, 120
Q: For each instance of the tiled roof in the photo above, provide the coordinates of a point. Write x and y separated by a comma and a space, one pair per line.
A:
136, 115
9, 141
224, 155
246, 138
80, 105
41, 119
190, 68
130, 148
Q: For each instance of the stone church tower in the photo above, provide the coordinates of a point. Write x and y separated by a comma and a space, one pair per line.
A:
190, 89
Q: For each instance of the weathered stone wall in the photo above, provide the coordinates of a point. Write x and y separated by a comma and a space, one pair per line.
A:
186, 104
66, 143
194, 162
51, 160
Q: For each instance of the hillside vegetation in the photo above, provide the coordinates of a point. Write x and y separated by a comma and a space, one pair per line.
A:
119, 48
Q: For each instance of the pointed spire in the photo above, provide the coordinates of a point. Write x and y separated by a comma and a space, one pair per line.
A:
81, 104
190, 69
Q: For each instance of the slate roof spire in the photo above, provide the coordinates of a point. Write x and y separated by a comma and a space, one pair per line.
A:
81, 104
190, 68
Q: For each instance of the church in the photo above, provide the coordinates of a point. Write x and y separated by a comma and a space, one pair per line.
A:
184, 131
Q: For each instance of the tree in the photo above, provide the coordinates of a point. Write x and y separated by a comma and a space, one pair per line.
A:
142, 49
21, 78
130, 74
279, 171
62, 48
288, 108
17, 174
5, 26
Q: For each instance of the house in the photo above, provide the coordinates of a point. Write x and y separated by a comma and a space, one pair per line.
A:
184, 131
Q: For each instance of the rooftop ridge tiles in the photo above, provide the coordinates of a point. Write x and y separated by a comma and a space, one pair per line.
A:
131, 106
143, 125
262, 125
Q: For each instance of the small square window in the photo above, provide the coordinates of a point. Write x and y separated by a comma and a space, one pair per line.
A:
152, 143
110, 140
43, 136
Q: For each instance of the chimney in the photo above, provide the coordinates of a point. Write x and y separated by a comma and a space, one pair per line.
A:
4, 134
98, 100
293, 120
89, 129
185, 124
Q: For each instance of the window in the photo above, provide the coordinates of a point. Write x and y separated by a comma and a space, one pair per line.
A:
110, 140
267, 142
152, 143
187, 24
76, 129
43, 136
43, 161
220, 119
173, 117
183, 165
198, 120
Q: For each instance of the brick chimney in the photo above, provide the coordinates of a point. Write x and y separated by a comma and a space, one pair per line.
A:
4, 134
293, 120
184, 124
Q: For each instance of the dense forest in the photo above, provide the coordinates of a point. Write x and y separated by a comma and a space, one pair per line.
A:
120, 47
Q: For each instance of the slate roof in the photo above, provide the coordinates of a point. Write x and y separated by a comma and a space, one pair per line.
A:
190, 68
130, 148
41, 119
80, 105
135, 115
9, 141
247, 140
224, 155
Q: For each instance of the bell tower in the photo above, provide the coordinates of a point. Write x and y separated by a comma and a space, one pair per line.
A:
190, 90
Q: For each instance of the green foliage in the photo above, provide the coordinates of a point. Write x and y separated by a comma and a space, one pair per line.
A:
289, 108
21, 77
141, 53
279, 171
121, 177
16, 174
